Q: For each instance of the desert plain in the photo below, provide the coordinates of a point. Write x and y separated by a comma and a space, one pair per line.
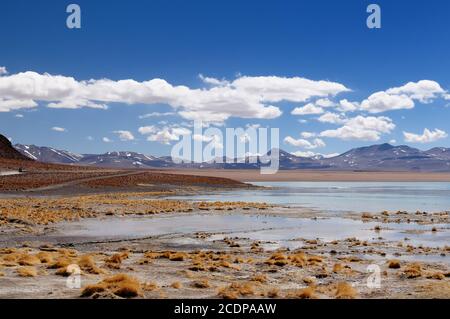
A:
74, 232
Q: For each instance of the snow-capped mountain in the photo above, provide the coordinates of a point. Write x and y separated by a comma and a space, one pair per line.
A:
382, 157
48, 154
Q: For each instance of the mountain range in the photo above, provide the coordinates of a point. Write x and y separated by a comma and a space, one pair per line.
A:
381, 157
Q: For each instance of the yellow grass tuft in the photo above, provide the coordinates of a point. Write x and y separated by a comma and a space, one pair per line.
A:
413, 270
394, 264
176, 285
120, 285
236, 289
150, 286
305, 293
177, 256
87, 264
345, 291
28, 260
201, 283
273, 293
45, 257
27, 271
259, 278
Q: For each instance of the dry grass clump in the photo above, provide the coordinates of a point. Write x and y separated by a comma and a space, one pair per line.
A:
278, 259
27, 271
304, 293
236, 289
435, 275
150, 286
413, 270
45, 257
60, 262
201, 283
273, 293
394, 264
28, 260
176, 285
88, 265
345, 291
115, 261
259, 278
178, 256
120, 285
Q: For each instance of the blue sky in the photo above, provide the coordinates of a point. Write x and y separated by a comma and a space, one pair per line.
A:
176, 41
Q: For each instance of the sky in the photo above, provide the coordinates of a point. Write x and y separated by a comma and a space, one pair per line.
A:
138, 73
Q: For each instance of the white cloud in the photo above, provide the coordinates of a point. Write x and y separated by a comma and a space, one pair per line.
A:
332, 118
7, 105
124, 135
324, 103
307, 110
347, 106
89, 138
3, 70
361, 128
316, 143
59, 129
424, 90
147, 129
382, 101
308, 134
213, 81
19, 116
427, 136
245, 97
106, 140
403, 97
393, 141
155, 114
163, 135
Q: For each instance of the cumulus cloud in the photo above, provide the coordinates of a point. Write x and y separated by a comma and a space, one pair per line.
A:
403, 97
3, 70
427, 136
325, 103
308, 134
106, 140
163, 135
316, 143
59, 129
332, 118
19, 116
347, 106
424, 90
213, 81
124, 135
308, 109
361, 128
245, 97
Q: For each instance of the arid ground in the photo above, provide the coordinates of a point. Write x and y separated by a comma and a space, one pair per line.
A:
84, 233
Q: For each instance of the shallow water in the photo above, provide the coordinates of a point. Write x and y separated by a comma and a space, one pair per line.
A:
345, 196
283, 231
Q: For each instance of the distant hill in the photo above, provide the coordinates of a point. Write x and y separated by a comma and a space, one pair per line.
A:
381, 157
8, 151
